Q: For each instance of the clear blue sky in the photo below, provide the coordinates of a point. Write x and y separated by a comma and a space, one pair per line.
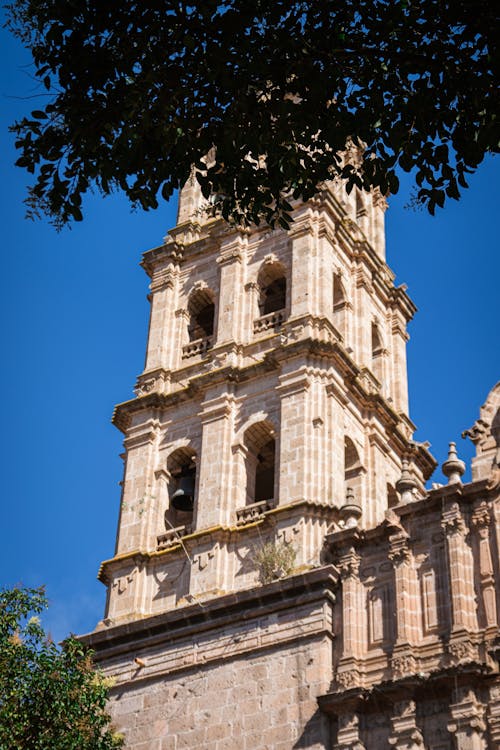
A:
74, 323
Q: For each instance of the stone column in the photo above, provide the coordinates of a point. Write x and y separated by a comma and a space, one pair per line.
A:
252, 309
215, 496
181, 337
467, 720
336, 405
405, 733
231, 294
138, 503
399, 383
481, 523
363, 312
303, 264
296, 436
461, 581
161, 347
407, 605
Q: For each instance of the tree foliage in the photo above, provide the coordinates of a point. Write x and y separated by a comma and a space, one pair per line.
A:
50, 697
139, 93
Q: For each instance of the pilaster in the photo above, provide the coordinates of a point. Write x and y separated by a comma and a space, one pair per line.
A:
231, 289
296, 436
481, 523
348, 673
405, 733
214, 484
461, 583
467, 720
407, 605
303, 258
161, 346
348, 733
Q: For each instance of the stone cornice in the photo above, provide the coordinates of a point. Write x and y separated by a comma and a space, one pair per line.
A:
420, 687
301, 508
249, 606
365, 395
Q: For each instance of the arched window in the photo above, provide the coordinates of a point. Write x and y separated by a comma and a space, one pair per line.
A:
353, 471
272, 285
260, 463
181, 465
201, 311
377, 354
339, 306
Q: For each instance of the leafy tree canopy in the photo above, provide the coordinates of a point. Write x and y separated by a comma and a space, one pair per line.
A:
139, 92
50, 696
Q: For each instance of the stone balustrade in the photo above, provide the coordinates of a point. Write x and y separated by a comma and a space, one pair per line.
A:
272, 320
197, 347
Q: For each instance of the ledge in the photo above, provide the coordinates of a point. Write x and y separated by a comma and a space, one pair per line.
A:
248, 605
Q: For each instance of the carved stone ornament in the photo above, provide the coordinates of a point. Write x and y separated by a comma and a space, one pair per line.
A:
399, 552
481, 519
453, 522
122, 583
270, 259
348, 564
348, 679
461, 651
402, 665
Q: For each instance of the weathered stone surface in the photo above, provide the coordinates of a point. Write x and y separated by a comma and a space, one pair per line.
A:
282, 579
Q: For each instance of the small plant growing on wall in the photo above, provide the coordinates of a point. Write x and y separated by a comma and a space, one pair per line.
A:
274, 560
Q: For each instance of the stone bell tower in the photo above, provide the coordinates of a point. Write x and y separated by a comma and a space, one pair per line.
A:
281, 578
273, 401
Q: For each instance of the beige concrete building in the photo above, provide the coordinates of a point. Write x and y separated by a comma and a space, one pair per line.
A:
282, 579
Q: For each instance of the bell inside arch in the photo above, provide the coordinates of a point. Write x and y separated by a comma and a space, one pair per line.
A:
183, 497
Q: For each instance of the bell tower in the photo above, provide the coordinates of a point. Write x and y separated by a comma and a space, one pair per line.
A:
273, 405
282, 579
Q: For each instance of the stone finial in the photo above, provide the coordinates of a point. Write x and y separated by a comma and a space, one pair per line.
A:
406, 483
350, 513
453, 467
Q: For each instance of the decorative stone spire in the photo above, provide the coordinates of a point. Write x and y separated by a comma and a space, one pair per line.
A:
453, 467
406, 483
350, 513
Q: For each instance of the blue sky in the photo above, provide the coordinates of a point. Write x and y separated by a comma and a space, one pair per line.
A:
74, 324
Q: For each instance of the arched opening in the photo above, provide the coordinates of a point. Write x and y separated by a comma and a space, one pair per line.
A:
264, 472
339, 306
260, 463
181, 466
392, 496
377, 354
353, 472
201, 310
272, 286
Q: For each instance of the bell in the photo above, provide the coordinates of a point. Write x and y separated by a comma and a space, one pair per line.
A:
183, 497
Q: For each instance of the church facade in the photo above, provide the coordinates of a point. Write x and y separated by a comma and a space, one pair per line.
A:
282, 578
